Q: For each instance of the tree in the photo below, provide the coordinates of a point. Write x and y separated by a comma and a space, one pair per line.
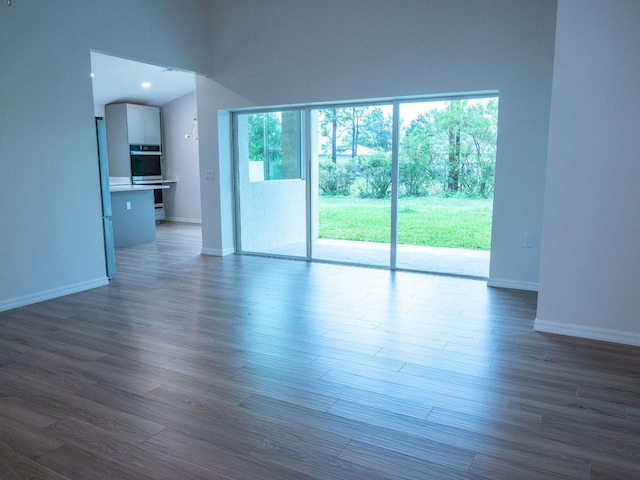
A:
417, 157
451, 148
349, 128
265, 133
450, 121
481, 131
455, 146
376, 131
332, 125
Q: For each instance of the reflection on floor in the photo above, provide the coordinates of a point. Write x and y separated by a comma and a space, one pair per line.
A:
452, 261
188, 366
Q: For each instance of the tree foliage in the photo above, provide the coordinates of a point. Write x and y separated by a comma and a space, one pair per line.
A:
265, 134
453, 147
449, 151
375, 173
336, 179
350, 128
418, 162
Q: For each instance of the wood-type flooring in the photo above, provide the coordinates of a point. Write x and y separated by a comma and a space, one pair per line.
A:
197, 367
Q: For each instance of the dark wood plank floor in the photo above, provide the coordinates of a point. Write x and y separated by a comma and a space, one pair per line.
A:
194, 367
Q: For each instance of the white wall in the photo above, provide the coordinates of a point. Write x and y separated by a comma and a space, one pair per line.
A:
590, 273
51, 239
216, 190
182, 162
291, 52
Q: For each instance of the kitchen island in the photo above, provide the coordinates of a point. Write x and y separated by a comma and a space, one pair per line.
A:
133, 213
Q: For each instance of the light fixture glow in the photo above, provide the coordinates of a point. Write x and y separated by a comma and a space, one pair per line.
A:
193, 134
92, 75
145, 85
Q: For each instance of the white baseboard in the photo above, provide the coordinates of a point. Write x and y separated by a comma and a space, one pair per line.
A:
53, 293
513, 284
592, 333
183, 220
216, 252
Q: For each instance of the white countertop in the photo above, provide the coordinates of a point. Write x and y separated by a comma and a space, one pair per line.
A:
119, 181
123, 184
135, 188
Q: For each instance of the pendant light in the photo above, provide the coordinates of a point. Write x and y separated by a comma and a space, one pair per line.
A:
193, 134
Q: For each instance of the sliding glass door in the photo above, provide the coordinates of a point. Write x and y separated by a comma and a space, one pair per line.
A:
446, 158
403, 185
353, 184
271, 210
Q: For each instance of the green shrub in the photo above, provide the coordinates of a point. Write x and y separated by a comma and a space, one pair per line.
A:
375, 171
335, 179
416, 175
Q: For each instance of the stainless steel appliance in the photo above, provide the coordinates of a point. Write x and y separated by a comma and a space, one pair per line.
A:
157, 200
146, 164
146, 169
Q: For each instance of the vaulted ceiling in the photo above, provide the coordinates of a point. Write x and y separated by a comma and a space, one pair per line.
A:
118, 80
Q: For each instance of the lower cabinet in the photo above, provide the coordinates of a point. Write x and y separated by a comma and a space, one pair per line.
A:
133, 216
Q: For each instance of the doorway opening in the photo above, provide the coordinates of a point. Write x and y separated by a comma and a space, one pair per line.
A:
405, 184
163, 99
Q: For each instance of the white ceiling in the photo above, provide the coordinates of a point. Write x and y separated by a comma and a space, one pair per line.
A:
116, 80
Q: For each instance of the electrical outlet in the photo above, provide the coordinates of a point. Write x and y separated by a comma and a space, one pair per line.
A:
128, 205
527, 241
209, 175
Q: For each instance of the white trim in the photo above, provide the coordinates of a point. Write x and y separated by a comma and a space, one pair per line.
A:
395, 175
513, 284
53, 293
592, 333
184, 220
365, 102
216, 252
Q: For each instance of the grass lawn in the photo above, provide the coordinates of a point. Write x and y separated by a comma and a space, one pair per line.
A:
428, 221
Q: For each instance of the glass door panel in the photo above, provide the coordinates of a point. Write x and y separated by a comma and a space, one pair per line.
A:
351, 192
446, 172
270, 188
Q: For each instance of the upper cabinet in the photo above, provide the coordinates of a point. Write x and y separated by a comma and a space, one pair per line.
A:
151, 124
140, 122
134, 116
129, 124
143, 124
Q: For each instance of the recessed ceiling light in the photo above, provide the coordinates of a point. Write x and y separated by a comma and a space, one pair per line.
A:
146, 85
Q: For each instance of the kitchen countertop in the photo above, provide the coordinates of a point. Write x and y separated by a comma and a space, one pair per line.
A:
135, 188
123, 184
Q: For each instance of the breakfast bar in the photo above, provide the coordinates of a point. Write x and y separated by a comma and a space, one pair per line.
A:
133, 213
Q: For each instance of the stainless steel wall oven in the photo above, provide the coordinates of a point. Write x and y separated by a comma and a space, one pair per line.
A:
146, 164
146, 169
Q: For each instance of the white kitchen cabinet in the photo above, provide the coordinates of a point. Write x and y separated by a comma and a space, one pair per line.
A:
151, 125
135, 124
129, 124
143, 124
